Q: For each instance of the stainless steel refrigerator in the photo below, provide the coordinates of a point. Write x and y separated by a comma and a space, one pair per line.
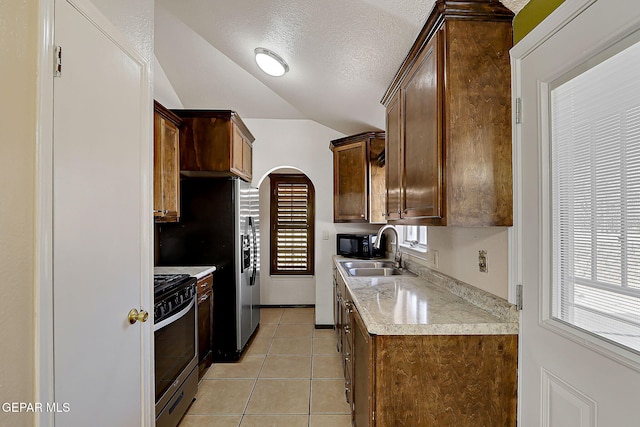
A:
219, 225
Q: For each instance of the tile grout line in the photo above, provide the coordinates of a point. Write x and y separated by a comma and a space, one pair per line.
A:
255, 383
311, 379
246, 406
267, 353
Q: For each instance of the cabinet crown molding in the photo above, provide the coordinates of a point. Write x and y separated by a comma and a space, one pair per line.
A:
358, 137
221, 114
166, 113
446, 10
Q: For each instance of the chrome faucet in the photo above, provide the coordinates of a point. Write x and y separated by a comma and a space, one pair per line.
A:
398, 255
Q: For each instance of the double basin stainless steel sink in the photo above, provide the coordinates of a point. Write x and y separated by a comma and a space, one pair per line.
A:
373, 268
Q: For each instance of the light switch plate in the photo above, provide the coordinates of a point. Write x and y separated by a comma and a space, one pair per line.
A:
325, 235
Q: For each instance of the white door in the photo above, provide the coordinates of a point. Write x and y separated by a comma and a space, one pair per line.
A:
101, 224
569, 378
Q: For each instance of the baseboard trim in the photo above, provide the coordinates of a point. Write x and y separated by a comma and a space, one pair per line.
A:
287, 306
324, 326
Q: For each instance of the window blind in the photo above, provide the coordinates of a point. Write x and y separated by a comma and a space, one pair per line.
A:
595, 190
292, 216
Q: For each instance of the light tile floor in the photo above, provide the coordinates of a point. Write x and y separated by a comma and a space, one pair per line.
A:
289, 376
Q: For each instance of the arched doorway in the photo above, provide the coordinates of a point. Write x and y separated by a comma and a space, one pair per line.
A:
280, 289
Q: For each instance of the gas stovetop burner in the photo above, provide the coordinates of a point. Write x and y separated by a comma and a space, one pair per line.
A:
165, 282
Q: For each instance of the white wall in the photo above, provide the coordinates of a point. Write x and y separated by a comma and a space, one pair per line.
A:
163, 92
134, 19
458, 256
303, 145
18, 35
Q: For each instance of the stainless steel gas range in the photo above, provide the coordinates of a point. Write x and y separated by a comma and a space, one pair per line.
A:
176, 353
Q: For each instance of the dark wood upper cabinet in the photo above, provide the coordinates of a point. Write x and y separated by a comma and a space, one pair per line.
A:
215, 143
166, 165
449, 109
422, 107
392, 159
359, 178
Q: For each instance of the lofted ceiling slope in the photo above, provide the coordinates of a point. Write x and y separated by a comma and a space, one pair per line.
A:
342, 55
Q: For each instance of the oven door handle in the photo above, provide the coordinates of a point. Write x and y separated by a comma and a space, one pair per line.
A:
178, 315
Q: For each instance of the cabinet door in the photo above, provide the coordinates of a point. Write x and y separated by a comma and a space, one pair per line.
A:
237, 144
205, 322
247, 159
422, 157
157, 166
347, 346
347, 359
377, 182
363, 398
393, 157
166, 166
241, 155
350, 183
337, 314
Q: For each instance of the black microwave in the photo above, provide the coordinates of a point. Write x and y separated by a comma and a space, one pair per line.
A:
359, 246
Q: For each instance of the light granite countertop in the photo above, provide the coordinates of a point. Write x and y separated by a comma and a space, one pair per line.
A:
197, 272
419, 305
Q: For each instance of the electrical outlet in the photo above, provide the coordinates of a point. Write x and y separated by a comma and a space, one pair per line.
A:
432, 259
482, 261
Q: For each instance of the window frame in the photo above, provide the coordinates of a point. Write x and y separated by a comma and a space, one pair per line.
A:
611, 348
275, 180
414, 244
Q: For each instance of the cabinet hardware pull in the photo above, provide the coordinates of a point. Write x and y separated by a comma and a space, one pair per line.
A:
347, 329
203, 298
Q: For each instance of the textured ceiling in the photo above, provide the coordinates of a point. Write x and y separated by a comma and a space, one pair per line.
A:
342, 55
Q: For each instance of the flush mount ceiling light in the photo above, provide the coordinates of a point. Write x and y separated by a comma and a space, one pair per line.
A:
270, 62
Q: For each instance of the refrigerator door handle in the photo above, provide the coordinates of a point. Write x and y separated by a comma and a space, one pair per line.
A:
254, 247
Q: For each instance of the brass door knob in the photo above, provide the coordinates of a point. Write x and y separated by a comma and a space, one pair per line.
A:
135, 315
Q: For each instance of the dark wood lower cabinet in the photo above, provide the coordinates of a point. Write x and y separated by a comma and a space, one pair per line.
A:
445, 380
205, 324
362, 405
429, 380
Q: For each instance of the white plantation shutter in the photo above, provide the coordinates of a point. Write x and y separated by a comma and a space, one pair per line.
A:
595, 152
292, 215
